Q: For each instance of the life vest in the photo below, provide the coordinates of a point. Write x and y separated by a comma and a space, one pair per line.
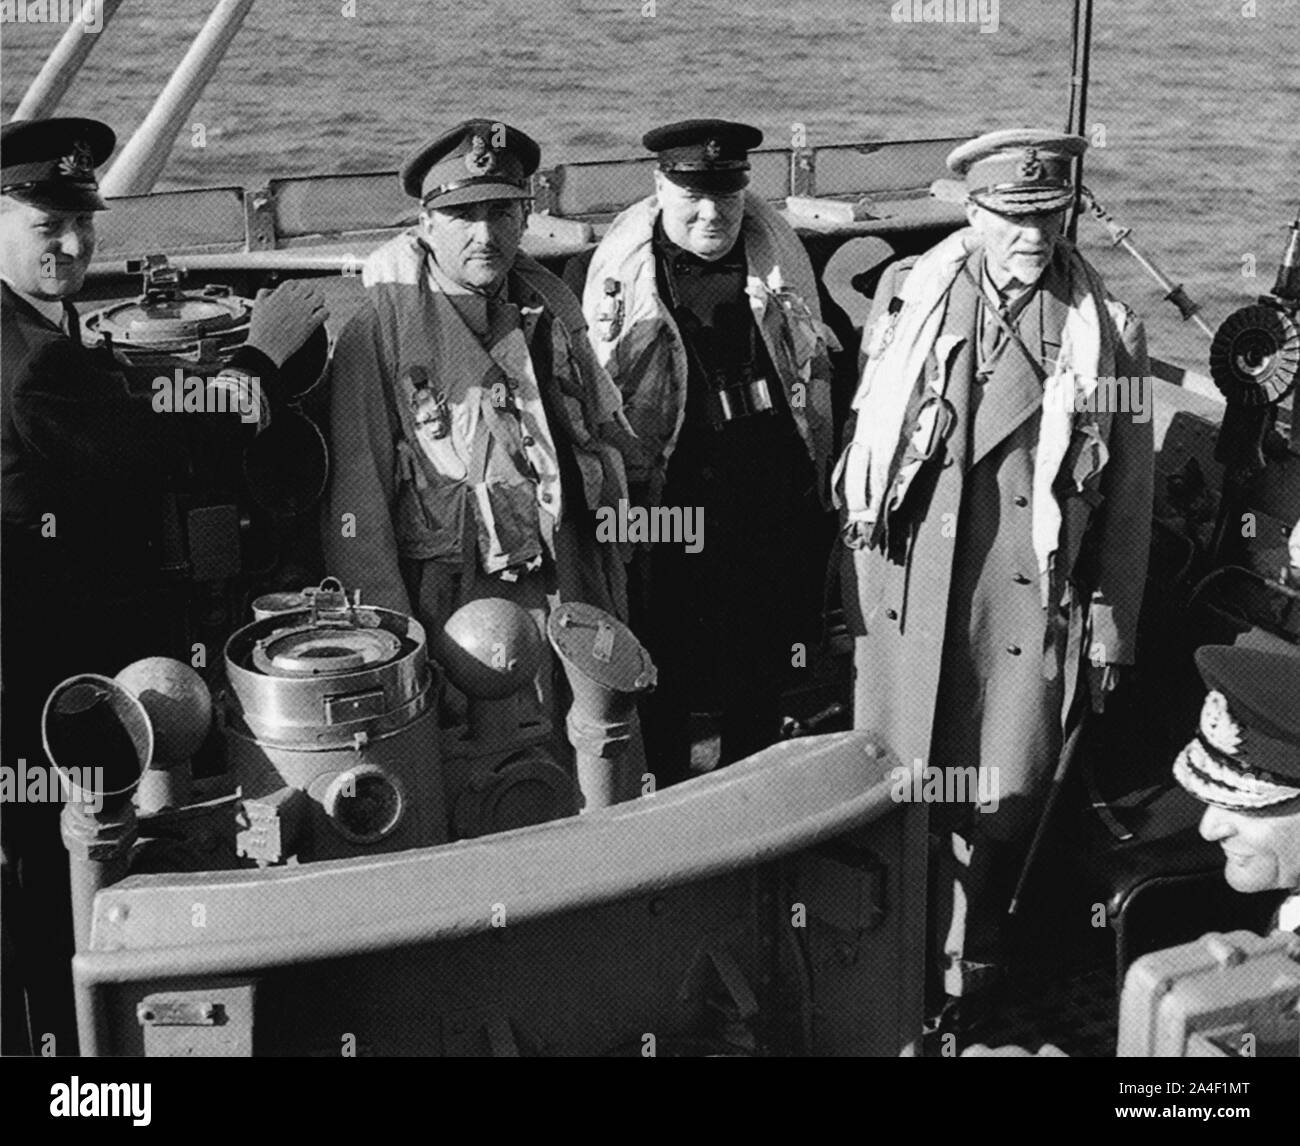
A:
476, 450
637, 340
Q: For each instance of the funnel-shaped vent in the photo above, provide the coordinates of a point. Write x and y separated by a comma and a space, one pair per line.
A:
91, 723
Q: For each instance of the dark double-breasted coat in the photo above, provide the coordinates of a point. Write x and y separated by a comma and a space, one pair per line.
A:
86, 465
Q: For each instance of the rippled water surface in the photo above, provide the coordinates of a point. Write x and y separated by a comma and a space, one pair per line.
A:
1200, 104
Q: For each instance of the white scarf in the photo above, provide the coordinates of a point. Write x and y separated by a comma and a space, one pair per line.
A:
1087, 350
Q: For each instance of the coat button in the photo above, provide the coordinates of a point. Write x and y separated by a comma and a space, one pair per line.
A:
1021, 500
1014, 650
529, 440
1020, 579
892, 614
546, 497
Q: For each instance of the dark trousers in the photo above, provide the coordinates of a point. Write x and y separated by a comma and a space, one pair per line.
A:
735, 669
721, 623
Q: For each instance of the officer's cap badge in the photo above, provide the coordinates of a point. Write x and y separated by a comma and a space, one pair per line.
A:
79, 163
712, 150
480, 159
1031, 167
1217, 726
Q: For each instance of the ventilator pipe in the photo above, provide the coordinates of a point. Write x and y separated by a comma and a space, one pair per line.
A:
179, 707
491, 651
63, 64
98, 735
606, 667
142, 160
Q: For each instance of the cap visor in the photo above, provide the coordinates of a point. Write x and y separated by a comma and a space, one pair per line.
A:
1028, 202
479, 193
716, 182
61, 198
1214, 783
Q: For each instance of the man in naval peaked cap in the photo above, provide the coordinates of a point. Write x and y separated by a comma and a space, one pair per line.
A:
997, 515
701, 303
85, 467
52, 162
1244, 764
474, 433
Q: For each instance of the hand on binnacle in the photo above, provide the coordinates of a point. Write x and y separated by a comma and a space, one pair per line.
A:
283, 319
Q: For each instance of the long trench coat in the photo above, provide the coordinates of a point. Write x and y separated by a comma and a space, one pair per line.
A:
957, 662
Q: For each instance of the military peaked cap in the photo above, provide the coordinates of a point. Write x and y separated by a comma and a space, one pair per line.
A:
1246, 753
1021, 171
705, 154
51, 162
477, 160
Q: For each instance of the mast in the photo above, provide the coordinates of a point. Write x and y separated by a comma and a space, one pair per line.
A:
62, 65
142, 160
1081, 53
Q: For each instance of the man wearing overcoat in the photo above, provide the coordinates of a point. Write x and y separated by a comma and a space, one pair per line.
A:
473, 432
702, 305
997, 495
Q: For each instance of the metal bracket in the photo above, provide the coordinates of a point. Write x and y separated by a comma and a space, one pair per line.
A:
214, 1022
546, 191
259, 220
803, 171
267, 827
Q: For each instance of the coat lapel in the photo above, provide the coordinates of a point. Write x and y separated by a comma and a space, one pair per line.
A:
1013, 393
955, 357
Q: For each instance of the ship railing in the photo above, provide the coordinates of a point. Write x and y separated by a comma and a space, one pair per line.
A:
879, 186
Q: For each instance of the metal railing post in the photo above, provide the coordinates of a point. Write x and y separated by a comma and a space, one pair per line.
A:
62, 66
142, 160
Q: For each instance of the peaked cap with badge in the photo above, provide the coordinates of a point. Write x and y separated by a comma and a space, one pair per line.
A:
51, 162
705, 154
476, 161
1246, 754
1019, 171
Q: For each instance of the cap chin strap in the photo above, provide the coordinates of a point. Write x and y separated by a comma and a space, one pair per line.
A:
705, 165
1014, 216
477, 181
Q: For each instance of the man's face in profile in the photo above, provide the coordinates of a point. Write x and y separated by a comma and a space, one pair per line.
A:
475, 243
44, 252
1262, 848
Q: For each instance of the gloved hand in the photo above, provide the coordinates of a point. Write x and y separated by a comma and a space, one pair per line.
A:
283, 319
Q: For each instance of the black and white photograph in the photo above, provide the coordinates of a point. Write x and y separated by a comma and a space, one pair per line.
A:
651, 529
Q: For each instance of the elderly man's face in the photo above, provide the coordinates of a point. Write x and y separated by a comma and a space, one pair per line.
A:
476, 243
701, 222
1017, 248
44, 253
1262, 848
